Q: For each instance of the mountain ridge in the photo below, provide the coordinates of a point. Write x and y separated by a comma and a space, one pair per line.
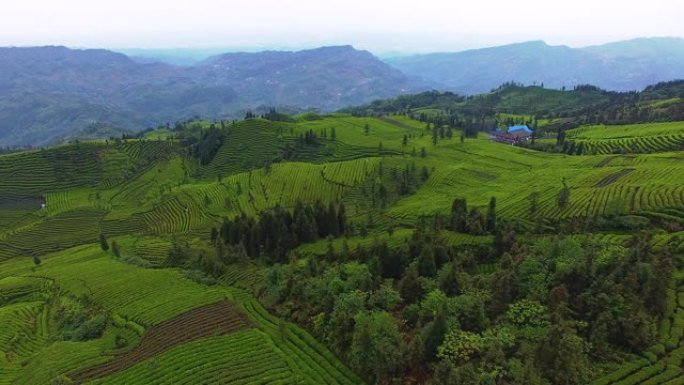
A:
620, 66
49, 93
53, 93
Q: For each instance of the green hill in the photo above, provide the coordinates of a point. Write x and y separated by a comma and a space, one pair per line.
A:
344, 250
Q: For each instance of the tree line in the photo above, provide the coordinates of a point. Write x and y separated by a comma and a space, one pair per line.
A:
278, 231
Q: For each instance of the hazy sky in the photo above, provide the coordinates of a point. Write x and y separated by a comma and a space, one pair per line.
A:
379, 26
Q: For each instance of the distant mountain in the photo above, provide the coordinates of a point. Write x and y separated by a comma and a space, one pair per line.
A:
325, 78
51, 93
177, 56
622, 66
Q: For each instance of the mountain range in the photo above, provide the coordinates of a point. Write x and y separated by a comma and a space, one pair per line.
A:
623, 66
52, 93
49, 94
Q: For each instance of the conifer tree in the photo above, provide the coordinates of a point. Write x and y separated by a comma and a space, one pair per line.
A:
491, 216
103, 242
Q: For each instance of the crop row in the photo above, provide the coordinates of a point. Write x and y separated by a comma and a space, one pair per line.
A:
248, 145
56, 233
313, 360
246, 277
131, 225
13, 289
21, 328
145, 149
639, 145
33, 173
242, 358
148, 298
282, 185
205, 321
616, 198
173, 216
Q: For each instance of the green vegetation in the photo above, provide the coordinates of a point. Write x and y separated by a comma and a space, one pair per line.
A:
629, 139
350, 249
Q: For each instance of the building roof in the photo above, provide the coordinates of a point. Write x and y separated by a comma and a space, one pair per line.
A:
523, 127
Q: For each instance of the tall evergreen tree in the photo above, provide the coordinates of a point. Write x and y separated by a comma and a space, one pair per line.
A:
332, 219
563, 198
214, 235
427, 267
491, 216
459, 214
103, 242
476, 222
342, 219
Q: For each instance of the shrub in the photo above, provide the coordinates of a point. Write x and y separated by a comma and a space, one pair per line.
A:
91, 329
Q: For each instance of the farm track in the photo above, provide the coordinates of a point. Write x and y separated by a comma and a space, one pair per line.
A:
207, 321
612, 178
605, 162
632, 200
395, 123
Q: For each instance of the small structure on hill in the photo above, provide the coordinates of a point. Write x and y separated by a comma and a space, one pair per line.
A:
514, 134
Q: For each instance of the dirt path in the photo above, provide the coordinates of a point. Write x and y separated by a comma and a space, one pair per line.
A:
605, 162
612, 178
633, 199
396, 124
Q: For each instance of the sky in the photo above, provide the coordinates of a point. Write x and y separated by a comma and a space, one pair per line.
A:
408, 26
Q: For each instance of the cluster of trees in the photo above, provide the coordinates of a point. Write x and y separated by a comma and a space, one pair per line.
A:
473, 221
443, 125
636, 111
276, 116
309, 138
420, 311
405, 104
205, 144
278, 231
13, 149
409, 179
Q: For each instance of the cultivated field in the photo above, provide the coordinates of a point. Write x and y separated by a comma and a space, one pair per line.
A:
162, 325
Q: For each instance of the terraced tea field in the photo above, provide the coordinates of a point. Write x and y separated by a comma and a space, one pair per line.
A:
167, 326
205, 321
629, 139
177, 319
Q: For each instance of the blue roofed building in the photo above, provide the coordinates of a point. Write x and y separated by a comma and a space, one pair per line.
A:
514, 134
522, 128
